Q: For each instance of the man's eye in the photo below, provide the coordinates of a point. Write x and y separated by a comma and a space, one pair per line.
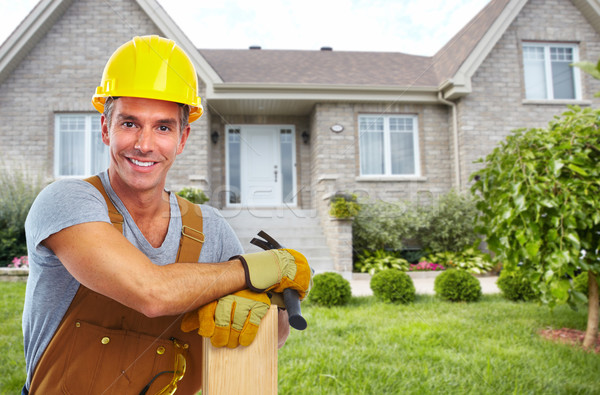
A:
164, 128
128, 124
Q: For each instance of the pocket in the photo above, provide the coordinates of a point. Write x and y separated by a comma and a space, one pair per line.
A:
109, 361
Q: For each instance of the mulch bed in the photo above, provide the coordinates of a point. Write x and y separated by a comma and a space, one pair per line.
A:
569, 336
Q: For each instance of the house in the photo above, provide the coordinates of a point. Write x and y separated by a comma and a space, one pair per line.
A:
285, 130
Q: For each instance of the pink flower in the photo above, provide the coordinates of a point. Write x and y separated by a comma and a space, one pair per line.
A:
426, 266
22, 261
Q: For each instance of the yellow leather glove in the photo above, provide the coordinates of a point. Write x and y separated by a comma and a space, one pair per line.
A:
276, 270
231, 320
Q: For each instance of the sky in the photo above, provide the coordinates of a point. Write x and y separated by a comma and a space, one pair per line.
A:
419, 27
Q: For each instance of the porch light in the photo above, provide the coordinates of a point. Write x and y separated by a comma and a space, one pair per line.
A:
214, 136
305, 137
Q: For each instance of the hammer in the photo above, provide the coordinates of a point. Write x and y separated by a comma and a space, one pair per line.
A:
291, 299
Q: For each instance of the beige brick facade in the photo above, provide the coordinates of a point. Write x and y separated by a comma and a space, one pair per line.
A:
497, 104
61, 71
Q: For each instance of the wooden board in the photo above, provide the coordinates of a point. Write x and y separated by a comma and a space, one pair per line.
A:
248, 370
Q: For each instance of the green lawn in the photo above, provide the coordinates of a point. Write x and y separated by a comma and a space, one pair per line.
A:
429, 347
12, 361
435, 347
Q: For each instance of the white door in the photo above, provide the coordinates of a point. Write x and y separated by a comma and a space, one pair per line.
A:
261, 169
261, 165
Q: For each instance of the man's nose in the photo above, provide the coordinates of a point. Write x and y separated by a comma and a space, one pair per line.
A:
145, 140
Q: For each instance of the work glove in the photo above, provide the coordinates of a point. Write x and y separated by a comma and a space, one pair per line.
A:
231, 320
276, 270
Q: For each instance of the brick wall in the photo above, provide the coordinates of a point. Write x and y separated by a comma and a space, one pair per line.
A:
335, 165
496, 106
335, 156
60, 74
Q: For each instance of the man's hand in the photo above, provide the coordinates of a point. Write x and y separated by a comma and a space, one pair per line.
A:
231, 320
276, 270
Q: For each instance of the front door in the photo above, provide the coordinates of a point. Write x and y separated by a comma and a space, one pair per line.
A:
261, 165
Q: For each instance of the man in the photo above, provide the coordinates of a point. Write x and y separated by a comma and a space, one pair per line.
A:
105, 300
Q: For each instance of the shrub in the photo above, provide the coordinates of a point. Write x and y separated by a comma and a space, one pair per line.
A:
344, 206
330, 289
384, 225
457, 286
470, 259
449, 223
375, 261
392, 285
515, 286
194, 195
18, 190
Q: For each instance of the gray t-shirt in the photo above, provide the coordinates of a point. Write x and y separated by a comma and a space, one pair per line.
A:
68, 202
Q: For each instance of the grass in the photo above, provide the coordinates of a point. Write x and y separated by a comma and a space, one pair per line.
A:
429, 347
12, 360
435, 347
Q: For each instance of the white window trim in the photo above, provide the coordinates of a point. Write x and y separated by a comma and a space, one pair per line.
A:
87, 144
387, 152
548, 71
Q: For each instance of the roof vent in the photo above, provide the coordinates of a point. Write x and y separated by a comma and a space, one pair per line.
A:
255, 47
326, 49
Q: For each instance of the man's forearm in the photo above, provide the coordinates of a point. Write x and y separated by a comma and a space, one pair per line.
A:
186, 286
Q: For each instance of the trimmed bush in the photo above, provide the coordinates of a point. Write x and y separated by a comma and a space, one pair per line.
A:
515, 286
330, 289
392, 285
457, 286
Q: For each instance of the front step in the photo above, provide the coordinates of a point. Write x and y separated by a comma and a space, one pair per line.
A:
293, 228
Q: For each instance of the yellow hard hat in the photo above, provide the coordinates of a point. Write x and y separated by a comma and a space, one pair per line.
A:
150, 67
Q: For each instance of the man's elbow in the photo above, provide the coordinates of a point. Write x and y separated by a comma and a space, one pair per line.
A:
153, 304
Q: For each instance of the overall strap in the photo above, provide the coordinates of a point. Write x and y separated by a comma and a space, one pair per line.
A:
115, 216
192, 238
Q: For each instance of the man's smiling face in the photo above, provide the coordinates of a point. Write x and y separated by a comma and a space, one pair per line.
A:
144, 140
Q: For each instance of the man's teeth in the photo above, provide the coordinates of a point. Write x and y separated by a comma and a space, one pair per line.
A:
139, 163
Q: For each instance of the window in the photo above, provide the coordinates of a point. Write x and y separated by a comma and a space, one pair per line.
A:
79, 150
389, 145
548, 71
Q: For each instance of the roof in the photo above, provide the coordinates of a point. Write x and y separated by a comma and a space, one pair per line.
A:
290, 82
320, 67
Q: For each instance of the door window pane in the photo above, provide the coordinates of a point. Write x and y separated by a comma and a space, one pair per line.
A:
234, 159
287, 165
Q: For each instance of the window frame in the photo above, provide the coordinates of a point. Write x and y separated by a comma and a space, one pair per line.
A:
550, 95
88, 118
387, 160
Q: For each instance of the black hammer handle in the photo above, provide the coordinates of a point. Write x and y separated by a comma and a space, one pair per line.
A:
291, 299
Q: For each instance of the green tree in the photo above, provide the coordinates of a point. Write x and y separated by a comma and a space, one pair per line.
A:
540, 206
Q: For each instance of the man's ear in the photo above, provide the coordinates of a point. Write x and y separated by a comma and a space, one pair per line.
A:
185, 133
104, 129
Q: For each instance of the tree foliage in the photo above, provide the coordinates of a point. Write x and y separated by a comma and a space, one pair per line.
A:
540, 202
